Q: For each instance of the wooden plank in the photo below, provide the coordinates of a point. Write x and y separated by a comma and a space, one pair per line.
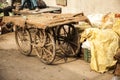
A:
16, 20
44, 20
47, 22
44, 10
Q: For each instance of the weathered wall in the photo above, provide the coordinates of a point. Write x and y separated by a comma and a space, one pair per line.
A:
88, 6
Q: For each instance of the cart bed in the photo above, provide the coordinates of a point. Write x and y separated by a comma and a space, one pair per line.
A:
44, 20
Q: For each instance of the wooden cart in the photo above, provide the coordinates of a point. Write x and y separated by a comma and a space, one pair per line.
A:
49, 34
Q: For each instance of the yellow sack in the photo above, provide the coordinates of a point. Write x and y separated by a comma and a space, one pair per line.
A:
116, 26
104, 44
111, 21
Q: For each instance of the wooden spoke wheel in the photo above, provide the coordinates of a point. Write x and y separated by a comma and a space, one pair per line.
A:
23, 40
46, 53
40, 38
68, 39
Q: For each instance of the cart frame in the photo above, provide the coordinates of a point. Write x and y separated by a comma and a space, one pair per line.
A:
59, 37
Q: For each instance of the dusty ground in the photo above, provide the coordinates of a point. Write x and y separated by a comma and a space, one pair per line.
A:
15, 66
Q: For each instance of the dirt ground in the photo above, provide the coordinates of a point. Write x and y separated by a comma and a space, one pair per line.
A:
15, 66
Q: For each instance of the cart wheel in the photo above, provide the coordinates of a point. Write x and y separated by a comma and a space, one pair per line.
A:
46, 53
68, 40
23, 40
40, 38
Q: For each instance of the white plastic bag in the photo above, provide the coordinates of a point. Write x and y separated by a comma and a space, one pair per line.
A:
86, 45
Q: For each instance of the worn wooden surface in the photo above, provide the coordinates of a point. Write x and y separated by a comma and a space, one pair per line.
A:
43, 10
16, 20
44, 20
